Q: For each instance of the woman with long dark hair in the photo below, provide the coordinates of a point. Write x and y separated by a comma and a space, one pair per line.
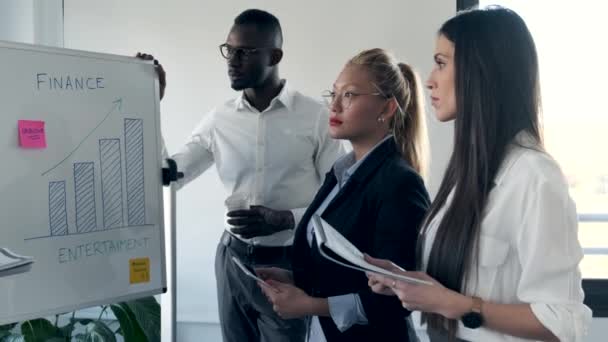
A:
500, 240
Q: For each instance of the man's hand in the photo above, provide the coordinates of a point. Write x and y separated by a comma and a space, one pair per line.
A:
162, 76
259, 221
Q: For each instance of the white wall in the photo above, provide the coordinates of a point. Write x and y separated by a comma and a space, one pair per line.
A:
184, 35
17, 21
32, 21
48, 22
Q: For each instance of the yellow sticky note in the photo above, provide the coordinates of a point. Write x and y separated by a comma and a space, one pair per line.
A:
139, 270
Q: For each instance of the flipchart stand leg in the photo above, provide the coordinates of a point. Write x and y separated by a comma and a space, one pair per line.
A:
169, 299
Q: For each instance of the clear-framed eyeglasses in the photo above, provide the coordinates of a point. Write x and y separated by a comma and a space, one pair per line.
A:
345, 97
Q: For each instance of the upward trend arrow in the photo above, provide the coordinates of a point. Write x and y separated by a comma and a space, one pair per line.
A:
117, 104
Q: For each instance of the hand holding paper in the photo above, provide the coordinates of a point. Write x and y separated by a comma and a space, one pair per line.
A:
435, 299
290, 302
251, 273
387, 285
328, 237
275, 273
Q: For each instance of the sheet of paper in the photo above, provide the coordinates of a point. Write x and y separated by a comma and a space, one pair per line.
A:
6, 262
8, 259
345, 249
249, 272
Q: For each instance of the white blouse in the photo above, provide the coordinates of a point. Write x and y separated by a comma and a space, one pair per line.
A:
528, 249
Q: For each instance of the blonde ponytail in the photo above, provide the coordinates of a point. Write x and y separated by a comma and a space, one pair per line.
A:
410, 130
399, 80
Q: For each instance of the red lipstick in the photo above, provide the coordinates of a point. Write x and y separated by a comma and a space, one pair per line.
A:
335, 122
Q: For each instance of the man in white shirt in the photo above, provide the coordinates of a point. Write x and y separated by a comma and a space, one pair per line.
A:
271, 145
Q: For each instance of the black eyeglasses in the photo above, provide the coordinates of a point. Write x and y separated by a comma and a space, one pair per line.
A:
229, 51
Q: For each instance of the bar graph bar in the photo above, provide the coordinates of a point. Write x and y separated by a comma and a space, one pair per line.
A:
111, 182
134, 160
84, 186
58, 217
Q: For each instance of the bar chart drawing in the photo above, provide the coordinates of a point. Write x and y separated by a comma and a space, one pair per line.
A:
121, 183
111, 182
134, 160
84, 189
58, 217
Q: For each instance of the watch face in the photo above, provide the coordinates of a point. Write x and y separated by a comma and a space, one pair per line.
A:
472, 320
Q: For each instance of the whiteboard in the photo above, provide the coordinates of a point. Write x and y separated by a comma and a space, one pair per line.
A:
81, 220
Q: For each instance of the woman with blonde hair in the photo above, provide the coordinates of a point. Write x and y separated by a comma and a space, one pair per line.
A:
374, 196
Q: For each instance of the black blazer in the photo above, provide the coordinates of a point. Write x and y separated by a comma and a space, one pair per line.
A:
379, 210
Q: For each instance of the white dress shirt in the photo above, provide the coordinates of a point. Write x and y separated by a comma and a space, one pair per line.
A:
278, 157
528, 249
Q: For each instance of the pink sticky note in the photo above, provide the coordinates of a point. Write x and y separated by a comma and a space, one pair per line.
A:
32, 134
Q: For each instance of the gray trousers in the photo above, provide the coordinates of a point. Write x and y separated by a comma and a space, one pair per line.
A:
245, 313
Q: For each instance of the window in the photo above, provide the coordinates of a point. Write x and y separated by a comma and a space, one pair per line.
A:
569, 40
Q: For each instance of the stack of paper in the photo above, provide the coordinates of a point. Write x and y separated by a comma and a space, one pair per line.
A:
328, 237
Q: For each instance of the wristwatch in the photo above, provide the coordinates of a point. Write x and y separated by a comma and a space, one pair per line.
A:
473, 319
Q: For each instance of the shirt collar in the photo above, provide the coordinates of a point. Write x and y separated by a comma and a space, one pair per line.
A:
285, 97
346, 166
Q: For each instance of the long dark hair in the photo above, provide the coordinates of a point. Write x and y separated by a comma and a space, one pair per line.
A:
497, 96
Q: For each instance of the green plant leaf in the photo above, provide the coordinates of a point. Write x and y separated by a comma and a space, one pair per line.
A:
5, 331
58, 339
68, 329
131, 330
7, 327
80, 338
99, 332
40, 330
12, 338
147, 313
